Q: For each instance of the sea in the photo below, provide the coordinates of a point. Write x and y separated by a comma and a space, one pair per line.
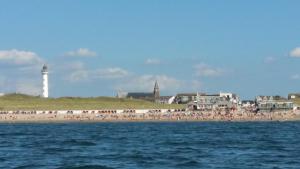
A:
168, 145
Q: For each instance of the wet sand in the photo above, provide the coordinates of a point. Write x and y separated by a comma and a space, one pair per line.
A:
152, 116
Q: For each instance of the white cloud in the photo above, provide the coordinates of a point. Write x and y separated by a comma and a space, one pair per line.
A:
145, 83
270, 60
19, 57
22, 73
295, 52
76, 65
196, 85
110, 73
82, 52
295, 77
77, 72
30, 87
78, 75
151, 61
69, 69
204, 70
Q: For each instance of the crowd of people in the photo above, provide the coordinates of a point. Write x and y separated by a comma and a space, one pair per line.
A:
150, 115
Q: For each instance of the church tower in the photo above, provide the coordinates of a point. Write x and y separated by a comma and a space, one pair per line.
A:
156, 92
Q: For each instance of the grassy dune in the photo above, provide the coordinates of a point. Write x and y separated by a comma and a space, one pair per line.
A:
25, 102
296, 101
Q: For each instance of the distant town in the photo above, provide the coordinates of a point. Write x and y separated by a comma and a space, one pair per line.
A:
223, 106
222, 100
202, 101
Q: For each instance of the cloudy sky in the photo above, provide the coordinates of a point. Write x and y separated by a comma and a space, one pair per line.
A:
97, 48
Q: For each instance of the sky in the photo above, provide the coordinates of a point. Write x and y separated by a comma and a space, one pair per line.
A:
101, 47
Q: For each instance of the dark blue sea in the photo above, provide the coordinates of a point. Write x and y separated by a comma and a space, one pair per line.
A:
180, 145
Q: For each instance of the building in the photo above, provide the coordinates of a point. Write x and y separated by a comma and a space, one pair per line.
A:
214, 101
166, 99
273, 103
294, 96
248, 103
148, 96
234, 98
184, 98
218, 101
208, 102
226, 95
44, 71
141, 96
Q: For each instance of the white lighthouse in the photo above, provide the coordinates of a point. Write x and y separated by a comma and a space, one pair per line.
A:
45, 81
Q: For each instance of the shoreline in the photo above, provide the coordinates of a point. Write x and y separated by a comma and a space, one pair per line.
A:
185, 116
144, 121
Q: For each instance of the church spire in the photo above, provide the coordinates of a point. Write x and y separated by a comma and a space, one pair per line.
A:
156, 85
156, 92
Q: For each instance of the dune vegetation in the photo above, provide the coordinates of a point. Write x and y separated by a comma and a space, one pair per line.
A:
26, 102
297, 101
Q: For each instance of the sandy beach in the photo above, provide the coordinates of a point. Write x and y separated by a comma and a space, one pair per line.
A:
150, 116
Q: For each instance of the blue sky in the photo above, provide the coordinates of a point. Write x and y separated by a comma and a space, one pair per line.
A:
97, 48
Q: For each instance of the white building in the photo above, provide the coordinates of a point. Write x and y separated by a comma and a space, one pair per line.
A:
228, 95
231, 96
45, 81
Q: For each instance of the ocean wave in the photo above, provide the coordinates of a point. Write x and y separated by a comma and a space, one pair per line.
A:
74, 142
86, 167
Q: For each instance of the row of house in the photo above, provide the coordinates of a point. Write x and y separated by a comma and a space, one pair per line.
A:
271, 103
204, 101
222, 100
199, 101
233, 102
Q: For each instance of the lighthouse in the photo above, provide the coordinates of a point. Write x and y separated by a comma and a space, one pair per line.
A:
45, 81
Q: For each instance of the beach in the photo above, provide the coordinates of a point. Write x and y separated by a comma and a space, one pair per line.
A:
136, 116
